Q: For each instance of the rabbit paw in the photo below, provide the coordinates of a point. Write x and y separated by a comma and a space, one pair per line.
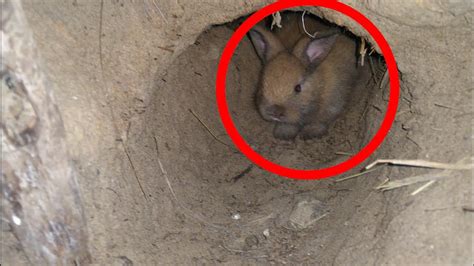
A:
285, 131
313, 131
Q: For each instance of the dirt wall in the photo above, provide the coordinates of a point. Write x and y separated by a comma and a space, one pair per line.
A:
158, 188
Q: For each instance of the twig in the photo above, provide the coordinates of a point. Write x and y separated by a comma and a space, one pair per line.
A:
384, 182
364, 112
372, 50
159, 10
118, 195
446, 106
384, 80
243, 173
188, 212
134, 170
166, 49
413, 141
421, 163
377, 108
304, 26
412, 180
468, 209
409, 101
208, 129
362, 51
355, 175
423, 187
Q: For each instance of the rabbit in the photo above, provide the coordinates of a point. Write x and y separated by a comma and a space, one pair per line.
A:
305, 82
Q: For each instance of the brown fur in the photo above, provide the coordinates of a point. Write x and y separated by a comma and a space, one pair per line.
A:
326, 80
292, 29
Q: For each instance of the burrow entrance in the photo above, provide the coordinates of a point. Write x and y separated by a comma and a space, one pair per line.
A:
238, 207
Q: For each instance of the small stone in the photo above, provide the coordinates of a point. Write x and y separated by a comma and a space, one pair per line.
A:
16, 220
266, 233
306, 213
236, 216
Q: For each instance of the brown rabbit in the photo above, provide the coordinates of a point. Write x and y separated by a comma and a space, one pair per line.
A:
305, 82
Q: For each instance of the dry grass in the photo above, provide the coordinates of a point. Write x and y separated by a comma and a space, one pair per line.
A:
422, 163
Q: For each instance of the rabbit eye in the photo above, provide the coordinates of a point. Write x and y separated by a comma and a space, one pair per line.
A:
298, 88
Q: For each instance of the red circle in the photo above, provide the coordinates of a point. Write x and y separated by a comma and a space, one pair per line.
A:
317, 173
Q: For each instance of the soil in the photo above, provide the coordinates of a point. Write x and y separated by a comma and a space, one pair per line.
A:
163, 184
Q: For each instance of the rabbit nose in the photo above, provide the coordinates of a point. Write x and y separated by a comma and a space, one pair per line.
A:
276, 111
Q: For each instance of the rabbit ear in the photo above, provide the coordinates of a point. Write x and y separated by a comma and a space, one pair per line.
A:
314, 51
265, 42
